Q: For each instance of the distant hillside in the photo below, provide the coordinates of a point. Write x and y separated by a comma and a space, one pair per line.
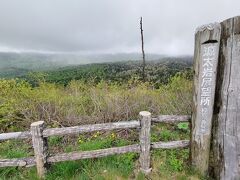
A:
157, 71
19, 64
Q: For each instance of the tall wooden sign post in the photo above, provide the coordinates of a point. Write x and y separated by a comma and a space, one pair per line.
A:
207, 40
216, 100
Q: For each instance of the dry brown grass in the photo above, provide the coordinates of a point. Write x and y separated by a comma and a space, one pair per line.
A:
81, 103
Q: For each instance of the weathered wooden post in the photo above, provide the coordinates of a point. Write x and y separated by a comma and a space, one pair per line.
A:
40, 147
226, 125
145, 121
207, 41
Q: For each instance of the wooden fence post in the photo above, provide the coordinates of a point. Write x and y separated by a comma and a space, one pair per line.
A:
145, 121
40, 147
226, 125
207, 43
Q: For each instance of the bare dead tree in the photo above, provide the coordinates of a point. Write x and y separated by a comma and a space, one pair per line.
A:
143, 53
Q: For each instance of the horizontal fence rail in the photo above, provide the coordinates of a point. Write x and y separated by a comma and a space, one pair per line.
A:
170, 144
94, 154
29, 162
73, 130
39, 136
21, 162
171, 118
91, 128
95, 127
15, 135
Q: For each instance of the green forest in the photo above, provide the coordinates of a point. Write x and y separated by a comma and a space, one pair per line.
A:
99, 93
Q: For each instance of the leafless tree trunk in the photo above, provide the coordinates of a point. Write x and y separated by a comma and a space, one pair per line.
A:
143, 53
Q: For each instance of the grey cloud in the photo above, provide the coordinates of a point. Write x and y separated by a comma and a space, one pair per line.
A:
107, 25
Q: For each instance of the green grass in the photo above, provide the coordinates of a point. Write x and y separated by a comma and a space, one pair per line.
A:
166, 132
14, 149
118, 165
166, 164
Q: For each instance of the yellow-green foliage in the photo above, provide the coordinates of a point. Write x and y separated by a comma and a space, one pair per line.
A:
82, 103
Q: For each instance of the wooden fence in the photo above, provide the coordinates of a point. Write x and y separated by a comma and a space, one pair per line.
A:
42, 159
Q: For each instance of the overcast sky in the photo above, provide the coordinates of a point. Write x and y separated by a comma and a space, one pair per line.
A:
107, 26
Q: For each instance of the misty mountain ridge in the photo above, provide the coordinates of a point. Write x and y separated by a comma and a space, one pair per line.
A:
41, 60
17, 64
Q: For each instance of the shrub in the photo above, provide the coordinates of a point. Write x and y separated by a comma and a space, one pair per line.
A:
84, 103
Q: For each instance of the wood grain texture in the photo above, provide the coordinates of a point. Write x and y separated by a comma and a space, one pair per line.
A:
171, 118
171, 144
144, 138
15, 135
93, 154
207, 43
40, 147
90, 128
18, 162
226, 126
